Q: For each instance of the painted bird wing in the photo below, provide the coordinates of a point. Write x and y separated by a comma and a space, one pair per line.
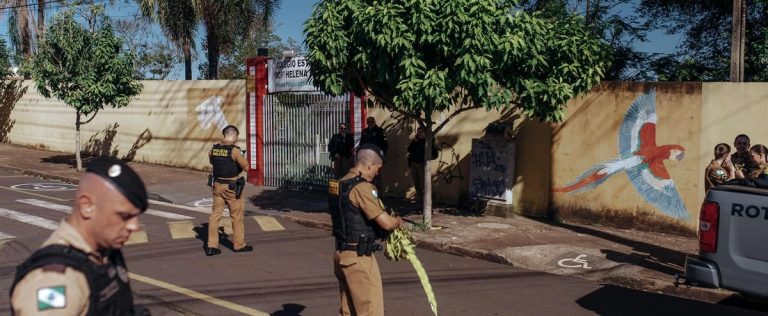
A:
641, 113
662, 193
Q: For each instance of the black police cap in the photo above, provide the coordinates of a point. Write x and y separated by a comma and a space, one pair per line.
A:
125, 179
375, 149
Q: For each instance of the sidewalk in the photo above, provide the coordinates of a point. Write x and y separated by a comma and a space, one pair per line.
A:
629, 258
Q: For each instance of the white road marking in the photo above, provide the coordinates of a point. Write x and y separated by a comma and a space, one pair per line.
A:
4, 236
29, 219
68, 209
579, 262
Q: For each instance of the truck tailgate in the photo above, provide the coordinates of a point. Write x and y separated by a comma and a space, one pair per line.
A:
742, 243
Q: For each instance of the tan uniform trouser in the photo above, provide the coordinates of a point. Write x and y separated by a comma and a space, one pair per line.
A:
223, 195
359, 284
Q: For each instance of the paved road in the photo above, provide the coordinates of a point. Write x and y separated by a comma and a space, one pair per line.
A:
290, 271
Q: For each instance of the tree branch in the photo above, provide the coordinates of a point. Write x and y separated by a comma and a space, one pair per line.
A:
90, 119
454, 114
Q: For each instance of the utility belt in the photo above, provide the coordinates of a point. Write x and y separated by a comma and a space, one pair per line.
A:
236, 185
362, 248
224, 181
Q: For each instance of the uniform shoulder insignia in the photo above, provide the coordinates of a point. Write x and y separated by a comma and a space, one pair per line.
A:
375, 194
54, 267
51, 298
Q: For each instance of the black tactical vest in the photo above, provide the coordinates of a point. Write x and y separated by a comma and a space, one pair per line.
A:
108, 283
349, 222
223, 164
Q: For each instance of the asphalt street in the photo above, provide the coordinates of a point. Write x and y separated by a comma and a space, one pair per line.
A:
290, 271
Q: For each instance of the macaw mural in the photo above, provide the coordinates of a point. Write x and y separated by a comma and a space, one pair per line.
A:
641, 159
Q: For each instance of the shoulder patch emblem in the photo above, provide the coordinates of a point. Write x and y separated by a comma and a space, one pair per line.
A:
375, 194
51, 298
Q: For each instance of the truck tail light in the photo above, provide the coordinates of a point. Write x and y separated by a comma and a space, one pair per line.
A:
708, 219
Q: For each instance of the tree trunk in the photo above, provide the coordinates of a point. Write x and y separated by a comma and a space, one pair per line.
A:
77, 143
737, 41
427, 180
212, 37
40, 19
24, 32
187, 60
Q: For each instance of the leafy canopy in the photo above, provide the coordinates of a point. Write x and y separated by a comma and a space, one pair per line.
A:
84, 68
429, 55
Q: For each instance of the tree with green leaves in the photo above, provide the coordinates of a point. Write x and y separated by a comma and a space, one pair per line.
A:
83, 67
178, 20
225, 21
422, 57
703, 53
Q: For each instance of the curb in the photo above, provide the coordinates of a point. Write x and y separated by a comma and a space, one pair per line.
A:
41, 174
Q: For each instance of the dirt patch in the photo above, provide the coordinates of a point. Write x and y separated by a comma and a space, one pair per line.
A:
624, 219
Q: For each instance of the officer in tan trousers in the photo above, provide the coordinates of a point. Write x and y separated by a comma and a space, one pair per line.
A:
228, 162
359, 221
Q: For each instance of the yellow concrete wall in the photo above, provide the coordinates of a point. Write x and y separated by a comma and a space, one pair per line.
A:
451, 169
160, 125
589, 136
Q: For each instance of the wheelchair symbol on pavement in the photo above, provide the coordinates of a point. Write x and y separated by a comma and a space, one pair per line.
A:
577, 262
45, 187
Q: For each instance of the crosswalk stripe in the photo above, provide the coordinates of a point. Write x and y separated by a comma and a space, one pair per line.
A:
268, 223
138, 237
46, 204
29, 219
167, 215
68, 209
4, 236
204, 210
182, 229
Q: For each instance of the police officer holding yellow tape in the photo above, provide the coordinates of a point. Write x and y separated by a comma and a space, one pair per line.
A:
359, 221
228, 162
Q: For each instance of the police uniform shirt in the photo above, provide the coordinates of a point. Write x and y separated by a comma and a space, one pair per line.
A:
365, 197
758, 171
56, 289
714, 175
743, 162
237, 156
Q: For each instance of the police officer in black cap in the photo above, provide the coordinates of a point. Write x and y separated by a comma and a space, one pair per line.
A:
359, 221
80, 269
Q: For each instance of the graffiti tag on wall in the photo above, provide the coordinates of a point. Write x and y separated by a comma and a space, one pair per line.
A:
491, 166
641, 159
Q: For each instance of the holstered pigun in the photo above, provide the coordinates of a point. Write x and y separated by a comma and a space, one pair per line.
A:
239, 186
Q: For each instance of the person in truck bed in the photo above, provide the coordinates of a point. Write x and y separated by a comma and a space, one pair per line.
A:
758, 153
720, 169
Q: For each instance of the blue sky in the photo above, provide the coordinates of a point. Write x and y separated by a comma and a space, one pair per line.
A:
289, 22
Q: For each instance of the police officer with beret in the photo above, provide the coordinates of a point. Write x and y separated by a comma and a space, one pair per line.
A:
359, 221
80, 269
228, 162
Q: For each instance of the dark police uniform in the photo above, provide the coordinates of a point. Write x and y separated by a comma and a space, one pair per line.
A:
66, 277
376, 136
758, 171
228, 162
354, 205
743, 161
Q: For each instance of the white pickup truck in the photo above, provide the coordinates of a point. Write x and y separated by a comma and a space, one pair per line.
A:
733, 241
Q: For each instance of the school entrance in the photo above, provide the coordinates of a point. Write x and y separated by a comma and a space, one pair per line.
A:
288, 132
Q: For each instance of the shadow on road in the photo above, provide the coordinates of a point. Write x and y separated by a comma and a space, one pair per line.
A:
202, 235
289, 310
614, 300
